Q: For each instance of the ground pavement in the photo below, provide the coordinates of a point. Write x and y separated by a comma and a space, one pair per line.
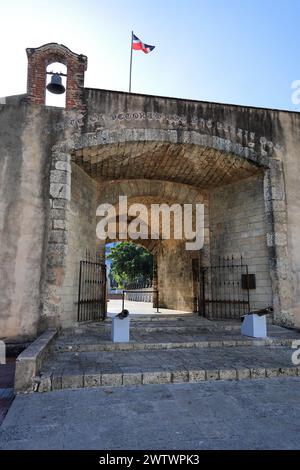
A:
257, 414
182, 382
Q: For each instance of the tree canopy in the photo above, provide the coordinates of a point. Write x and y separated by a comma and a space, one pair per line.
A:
130, 263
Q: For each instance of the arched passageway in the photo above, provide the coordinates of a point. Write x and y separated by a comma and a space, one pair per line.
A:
229, 187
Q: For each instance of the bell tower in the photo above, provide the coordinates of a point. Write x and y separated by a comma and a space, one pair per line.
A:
38, 60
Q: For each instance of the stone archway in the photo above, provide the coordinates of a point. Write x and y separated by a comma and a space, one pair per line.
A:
174, 262
105, 165
245, 158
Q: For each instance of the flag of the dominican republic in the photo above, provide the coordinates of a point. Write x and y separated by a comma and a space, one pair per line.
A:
138, 45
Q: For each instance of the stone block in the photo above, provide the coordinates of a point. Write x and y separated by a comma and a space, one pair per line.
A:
63, 166
29, 362
243, 374
57, 176
287, 371
60, 191
58, 213
196, 375
56, 382
168, 346
92, 380
72, 381
45, 383
56, 254
59, 224
215, 344
159, 377
228, 374
258, 373
180, 376
127, 346
203, 344
258, 342
212, 375
60, 156
229, 343
270, 372
58, 236
132, 378
59, 204
111, 380
24, 375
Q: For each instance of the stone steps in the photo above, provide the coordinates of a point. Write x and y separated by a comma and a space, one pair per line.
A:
195, 325
192, 349
148, 345
141, 367
158, 327
144, 336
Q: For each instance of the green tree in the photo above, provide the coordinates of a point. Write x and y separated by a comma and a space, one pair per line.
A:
130, 263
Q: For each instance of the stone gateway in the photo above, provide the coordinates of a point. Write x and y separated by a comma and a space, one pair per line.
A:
57, 165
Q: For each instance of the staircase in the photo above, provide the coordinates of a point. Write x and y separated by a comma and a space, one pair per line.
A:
165, 349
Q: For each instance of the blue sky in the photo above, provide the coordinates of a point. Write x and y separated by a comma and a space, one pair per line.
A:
232, 51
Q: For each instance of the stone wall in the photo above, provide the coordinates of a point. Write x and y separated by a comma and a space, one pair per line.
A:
72, 232
175, 277
238, 227
25, 159
81, 237
119, 136
284, 201
251, 133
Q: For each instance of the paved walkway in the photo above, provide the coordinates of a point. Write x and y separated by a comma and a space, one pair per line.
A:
258, 414
138, 308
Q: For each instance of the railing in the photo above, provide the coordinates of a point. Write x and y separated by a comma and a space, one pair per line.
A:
140, 291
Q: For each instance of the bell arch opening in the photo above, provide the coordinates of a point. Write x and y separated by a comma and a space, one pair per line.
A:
56, 75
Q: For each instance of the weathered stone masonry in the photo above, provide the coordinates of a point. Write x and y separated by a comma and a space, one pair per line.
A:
238, 226
57, 165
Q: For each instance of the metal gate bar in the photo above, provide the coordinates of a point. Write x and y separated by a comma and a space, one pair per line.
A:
222, 293
91, 290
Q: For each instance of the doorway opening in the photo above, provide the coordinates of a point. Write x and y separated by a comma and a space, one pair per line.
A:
131, 278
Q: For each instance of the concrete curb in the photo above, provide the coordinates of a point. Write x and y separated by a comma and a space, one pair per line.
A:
29, 362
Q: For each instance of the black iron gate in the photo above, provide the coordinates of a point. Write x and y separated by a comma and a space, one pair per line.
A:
92, 290
224, 289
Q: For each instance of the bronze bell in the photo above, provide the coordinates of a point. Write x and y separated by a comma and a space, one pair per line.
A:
55, 86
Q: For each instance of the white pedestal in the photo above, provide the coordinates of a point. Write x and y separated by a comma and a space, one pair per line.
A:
255, 326
120, 330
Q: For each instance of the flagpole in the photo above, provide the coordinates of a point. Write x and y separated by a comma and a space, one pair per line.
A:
130, 62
